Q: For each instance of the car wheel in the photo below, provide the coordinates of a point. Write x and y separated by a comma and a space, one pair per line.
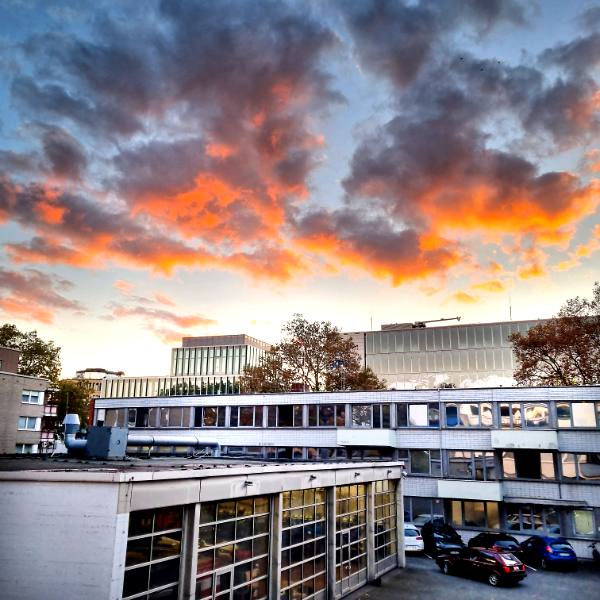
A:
447, 568
544, 564
494, 579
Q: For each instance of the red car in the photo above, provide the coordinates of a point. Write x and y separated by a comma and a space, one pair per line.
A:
494, 567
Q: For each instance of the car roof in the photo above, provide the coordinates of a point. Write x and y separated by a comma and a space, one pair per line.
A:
549, 539
410, 526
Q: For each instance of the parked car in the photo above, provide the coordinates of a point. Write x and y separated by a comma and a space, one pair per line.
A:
438, 537
413, 541
495, 540
489, 565
548, 552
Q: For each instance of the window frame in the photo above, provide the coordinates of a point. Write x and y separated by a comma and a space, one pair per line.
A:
485, 460
257, 416
532, 509
574, 523
314, 415
571, 424
37, 424
431, 461
576, 464
39, 396
486, 513
459, 424
522, 406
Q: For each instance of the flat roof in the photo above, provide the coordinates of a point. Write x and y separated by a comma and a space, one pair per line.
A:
62, 468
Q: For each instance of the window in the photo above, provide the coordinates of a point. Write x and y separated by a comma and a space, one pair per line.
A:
583, 522
285, 415
332, 415
209, 416
385, 520
25, 449
583, 467
246, 416
425, 462
361, 415
30, 423
474, 514
303, 543
578, 414
326, 453
418, 510
233, 549
517, 415
532, 518
32, 397
115, 417
153, 553
471, 465
171, 417
418, 415
351, 533
381, 416
528, 464
471, 414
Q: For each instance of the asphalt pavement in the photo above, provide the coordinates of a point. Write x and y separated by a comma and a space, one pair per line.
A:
423, 580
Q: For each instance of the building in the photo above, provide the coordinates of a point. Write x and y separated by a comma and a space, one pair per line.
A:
203, 365
415, 356
520, 460
22, 407
185, 529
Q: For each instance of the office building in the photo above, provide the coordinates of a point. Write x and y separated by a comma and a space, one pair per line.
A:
22, 407
203, 365
520, 460
194, 529
415, 356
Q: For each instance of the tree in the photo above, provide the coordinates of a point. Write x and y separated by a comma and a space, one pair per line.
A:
316, 355
71, 397
37, 358
565, 350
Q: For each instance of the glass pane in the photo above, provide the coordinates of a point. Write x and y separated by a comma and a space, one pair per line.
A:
361, 415
552, 524
563, 414
512, 517
138, 551
486, 414
140, 522
568, 466
401, 415
536, 414
547, 465
456, 513
163, 573
451, 415
469, 415
589, 466
474, 514
135, 581
419, 462
434, 414
167, 518
460, 464
164, 546
584, 414
508, 465
418, 415
493, 519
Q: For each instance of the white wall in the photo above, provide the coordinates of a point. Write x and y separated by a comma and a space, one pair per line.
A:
58, 540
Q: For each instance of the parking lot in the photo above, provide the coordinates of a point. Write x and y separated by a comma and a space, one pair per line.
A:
423, 580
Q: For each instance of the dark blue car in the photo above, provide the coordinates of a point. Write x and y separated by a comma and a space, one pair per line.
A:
548, 552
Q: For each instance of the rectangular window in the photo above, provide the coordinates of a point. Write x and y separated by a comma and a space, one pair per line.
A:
233, 549
246, 416
535, 413
327, 415
460, 464
30, 423
528, 464
583, 522
419, 510
152, 560
32, 397
583, 467
361, 415
474, 514
418, 415
385, 520
584, 414
425, 462
25, 449
303, 543
529, 519
381, 416
401, 415
212, 416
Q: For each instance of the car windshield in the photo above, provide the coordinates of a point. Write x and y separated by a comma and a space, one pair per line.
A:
505, 544
509, 559
447, 532
561, 546
411, 533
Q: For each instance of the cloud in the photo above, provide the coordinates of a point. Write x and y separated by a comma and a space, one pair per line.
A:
154, 314
494, 286
164, 299
463, 298
123, 286
33, 295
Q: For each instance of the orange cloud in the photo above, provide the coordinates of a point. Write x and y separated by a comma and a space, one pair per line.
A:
464, 298
495, 286
123, 286
164, 299
531, 271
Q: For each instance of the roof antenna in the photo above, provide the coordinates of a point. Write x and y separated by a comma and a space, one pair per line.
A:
509, 306
371, 309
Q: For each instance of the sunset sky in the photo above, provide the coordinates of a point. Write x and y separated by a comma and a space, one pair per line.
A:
192, 168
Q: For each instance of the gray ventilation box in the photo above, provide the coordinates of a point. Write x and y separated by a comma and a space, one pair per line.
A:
106, 442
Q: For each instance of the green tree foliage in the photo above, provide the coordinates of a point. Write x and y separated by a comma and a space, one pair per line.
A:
38, 358
316, 355
71, 397
563, 351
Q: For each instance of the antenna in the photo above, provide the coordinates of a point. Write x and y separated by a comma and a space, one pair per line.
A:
371, 309
509, 306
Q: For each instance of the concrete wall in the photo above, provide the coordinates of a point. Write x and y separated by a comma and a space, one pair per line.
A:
11, 408
58, 540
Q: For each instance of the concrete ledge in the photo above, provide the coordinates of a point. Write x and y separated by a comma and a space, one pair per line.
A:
366, 437
525, 439
470, 490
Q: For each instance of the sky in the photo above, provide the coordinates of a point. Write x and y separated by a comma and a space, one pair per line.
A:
172, 168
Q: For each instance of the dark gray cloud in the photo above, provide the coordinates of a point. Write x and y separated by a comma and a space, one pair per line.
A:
67, 156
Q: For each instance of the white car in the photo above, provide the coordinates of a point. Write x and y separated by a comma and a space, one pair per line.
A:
413, 541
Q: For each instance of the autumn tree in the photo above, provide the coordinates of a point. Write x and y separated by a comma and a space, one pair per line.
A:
37, 358
71, 397
565, 350
316, 355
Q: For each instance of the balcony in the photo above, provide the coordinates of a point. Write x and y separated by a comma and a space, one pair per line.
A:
367, 437
47, 436
530, 439
50, 411
470, 490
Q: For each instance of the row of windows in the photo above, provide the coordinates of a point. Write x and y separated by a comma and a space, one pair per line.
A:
518, 518
450, 361
214, 360
148, 387
444, 338
515, 415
